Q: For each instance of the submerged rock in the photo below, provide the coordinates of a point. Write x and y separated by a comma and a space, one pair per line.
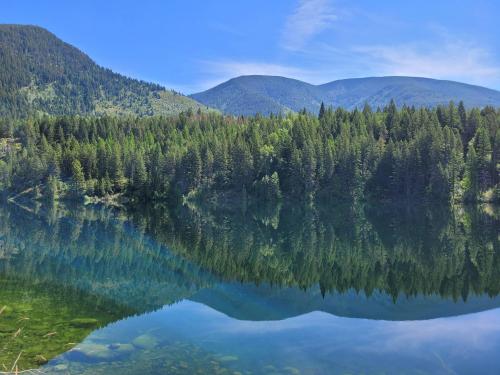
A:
98, 352
122, 348
145, 342
61, 367
92, 352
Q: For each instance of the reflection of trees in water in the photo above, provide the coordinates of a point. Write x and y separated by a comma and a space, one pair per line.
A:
6, 250
62, 265
97, 251
108, 264
399, 250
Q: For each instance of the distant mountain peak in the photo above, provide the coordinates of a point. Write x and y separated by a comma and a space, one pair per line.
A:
251, 94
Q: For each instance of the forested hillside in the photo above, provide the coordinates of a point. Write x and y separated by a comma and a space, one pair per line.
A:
249, 95
447, 153
42, 74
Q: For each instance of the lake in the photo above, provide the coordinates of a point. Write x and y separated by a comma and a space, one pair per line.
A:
282, 289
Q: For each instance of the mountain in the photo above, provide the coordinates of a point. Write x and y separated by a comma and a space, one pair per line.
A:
420, 92
42, 74
248, 95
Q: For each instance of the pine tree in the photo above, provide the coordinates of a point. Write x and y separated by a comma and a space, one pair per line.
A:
321, 114
192, 169
462, 114
470, 182
139, 174
495, 158
391, 120
116, 167
52, 188
78, 177
241, 166
473, 123
482, 147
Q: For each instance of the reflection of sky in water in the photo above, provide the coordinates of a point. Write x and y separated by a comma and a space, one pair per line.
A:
267, 324
322, 343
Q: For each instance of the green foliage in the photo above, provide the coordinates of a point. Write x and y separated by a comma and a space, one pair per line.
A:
268, 188
77, 172
52, 188
390, 154
42, 74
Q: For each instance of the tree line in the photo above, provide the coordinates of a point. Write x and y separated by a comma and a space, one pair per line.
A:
446, 153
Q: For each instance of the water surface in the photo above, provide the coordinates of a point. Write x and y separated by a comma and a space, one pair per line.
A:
266, 290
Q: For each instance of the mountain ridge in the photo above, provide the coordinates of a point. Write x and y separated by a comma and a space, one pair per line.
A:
282, 94
42, 74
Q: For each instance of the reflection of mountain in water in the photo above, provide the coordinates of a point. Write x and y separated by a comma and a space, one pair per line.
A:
399, 251
249, 302
249, 264
161, 256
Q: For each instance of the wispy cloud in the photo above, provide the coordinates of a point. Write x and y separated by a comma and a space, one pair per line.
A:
441, 55
444, 59
456, 332
310, 18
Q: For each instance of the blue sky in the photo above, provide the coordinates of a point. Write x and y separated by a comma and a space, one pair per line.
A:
191, 45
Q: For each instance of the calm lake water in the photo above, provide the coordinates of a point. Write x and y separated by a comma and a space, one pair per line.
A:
264, 290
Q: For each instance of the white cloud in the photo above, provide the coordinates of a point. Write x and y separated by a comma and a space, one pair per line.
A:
310, 18
442, 56
444, 59
455, 331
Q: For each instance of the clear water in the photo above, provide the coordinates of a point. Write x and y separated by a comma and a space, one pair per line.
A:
266, 290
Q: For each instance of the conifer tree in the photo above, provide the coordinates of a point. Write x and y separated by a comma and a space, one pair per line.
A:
321, 114
78, 177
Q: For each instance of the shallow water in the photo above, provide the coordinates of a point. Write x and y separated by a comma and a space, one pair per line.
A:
268, 290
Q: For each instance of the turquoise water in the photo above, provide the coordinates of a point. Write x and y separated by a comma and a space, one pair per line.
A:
266, 290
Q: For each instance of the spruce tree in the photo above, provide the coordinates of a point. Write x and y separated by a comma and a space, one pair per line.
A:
321, 114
